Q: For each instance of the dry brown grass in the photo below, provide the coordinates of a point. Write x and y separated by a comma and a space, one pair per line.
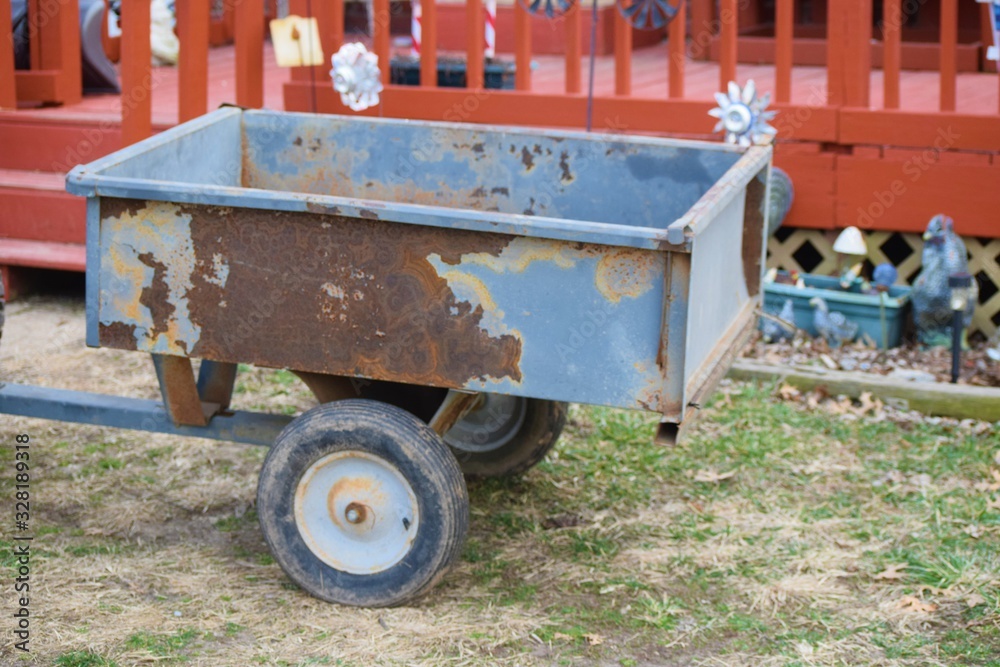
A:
610, 553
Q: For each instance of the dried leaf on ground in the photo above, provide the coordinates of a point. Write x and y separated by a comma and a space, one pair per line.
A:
711, 476
892, 572
973, 531
593, 639
869, 404
933, 363
974, 600
789, 393
911, 603
992, 483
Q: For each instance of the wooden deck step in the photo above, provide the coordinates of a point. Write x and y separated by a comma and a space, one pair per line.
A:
43, 254
54, 144
34, 206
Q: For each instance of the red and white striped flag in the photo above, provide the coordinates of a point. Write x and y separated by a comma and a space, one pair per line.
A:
415, 18
491, 28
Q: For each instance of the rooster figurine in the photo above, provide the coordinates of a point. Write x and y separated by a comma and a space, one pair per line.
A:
834, 327
944, 255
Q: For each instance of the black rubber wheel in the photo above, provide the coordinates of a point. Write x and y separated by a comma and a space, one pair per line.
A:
361, 503
506, 435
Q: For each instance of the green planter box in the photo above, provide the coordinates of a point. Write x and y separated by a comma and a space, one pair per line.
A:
862, 308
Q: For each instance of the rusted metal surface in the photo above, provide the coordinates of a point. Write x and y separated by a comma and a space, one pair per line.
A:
369, 298
671, 432
754, 217
400, 255
671, 353
328, 388
638, 182
454, 406
298, 282
215, 382
179, 390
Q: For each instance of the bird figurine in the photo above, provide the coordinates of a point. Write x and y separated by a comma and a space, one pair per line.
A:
780, 200
883, 277
773, 330
944, 255
992, 348
834, 327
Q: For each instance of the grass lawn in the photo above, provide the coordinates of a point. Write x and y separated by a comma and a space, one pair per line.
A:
779, 533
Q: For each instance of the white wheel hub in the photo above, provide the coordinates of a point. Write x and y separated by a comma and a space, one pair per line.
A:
356, 512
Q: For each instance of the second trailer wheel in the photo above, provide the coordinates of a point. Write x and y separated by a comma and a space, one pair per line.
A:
506, 435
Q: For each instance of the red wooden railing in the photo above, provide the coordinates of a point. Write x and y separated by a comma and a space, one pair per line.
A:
8, 89
193, 28
573, 50
838, 141
54, 76
848, 63
892, 22
784, 13
949, 44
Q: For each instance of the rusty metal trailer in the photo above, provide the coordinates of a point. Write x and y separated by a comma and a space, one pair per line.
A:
443, 290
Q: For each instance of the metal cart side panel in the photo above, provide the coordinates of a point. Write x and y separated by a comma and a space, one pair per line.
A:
374, 299
281, 247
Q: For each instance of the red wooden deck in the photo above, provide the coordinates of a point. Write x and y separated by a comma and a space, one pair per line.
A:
977, 93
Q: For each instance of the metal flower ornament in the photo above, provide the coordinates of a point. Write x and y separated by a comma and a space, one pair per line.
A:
743, 115
356, 76
547, 8
648, 14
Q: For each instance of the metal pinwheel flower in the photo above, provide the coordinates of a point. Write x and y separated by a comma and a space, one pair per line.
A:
648, 14
548, 8
356, 76
743, 115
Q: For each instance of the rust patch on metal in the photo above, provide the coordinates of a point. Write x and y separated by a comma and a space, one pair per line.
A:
527, 159
117, 335
626, 272
455, 406
567, 176
180, 391
753, 233
352, 489
155, 296
323, 209
343, 296
116, 208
